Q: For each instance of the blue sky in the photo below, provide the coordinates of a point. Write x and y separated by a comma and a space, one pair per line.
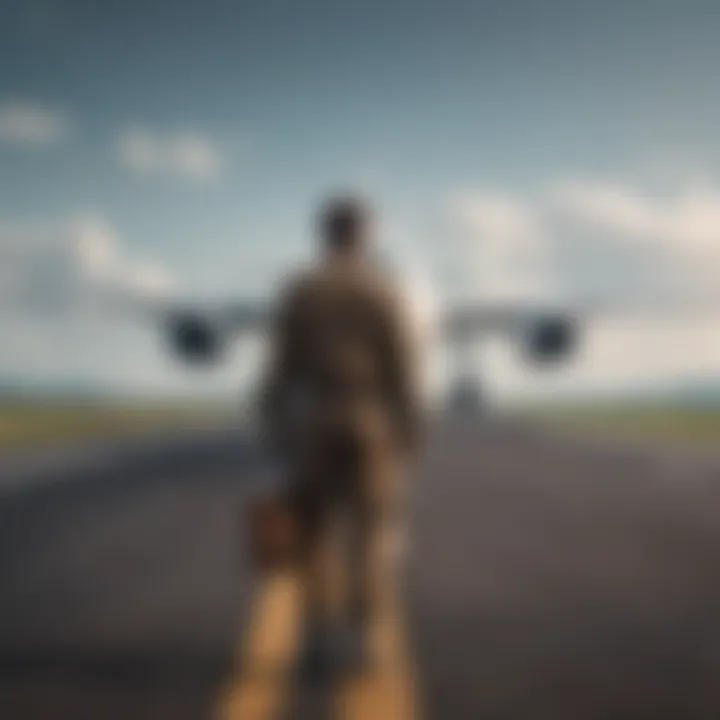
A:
199, 137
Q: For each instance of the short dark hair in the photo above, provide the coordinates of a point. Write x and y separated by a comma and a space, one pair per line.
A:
342, 222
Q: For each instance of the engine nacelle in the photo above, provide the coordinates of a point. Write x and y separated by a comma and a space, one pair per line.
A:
550, 339
195, 339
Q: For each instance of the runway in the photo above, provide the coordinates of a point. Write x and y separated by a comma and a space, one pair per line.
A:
547, 578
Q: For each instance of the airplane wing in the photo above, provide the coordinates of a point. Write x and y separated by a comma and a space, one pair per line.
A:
236, 317
472, 319
246, 317
548, 332
201, 332
466, 320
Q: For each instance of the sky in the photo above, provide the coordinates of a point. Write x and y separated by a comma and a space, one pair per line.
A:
546, 150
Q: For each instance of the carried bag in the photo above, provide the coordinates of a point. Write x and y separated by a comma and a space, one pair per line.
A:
273, 528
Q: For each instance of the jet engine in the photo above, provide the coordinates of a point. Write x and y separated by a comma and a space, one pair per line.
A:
550, 339
195, 338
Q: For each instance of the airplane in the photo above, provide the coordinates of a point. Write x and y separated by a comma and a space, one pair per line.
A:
548, 334
200, 336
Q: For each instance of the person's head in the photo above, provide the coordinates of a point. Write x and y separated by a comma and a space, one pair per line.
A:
345, 227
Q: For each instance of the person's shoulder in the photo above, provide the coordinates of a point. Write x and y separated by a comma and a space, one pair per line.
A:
297, 283
381, 284
289, 293
381, 292
383, 278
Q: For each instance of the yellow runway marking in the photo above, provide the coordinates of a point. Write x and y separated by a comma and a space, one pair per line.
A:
261, 688
387, 692
259, 691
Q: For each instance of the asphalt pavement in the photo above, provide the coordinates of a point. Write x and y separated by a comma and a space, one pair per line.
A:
546, 578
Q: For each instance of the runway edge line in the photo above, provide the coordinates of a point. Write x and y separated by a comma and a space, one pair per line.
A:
258, 690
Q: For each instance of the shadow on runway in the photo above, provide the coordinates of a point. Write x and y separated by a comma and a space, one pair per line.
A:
126, 668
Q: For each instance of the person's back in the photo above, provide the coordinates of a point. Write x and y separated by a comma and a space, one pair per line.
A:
341, 346
341, 400
346, 363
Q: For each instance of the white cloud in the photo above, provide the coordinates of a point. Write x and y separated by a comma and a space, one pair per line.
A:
501, 243
187, 155
690, 219
614, 242
70, 267
31, 125
586, 234
614, 207
495, 215
682, 231
615, 355
60, 282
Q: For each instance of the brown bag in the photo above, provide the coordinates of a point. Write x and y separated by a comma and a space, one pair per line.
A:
273, 530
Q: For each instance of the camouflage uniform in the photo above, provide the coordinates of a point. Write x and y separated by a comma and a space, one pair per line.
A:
341, 404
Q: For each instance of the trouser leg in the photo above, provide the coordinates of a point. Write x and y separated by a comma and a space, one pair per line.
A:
376, 510
314, 563
317, 656
361, 561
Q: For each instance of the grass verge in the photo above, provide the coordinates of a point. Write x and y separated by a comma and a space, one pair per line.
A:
26, 425
695, 426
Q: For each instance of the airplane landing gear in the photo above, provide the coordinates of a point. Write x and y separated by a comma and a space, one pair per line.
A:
467, 398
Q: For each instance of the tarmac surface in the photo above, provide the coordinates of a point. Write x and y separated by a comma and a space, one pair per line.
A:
547, 578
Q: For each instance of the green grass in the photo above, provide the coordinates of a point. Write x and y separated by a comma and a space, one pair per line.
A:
33, 424
685, 425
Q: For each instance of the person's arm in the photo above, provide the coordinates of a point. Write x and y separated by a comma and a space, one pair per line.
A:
280, 369
402, 362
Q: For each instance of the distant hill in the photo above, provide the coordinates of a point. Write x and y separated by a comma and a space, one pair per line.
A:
18, 389
15, 390
690, 393
693, 393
